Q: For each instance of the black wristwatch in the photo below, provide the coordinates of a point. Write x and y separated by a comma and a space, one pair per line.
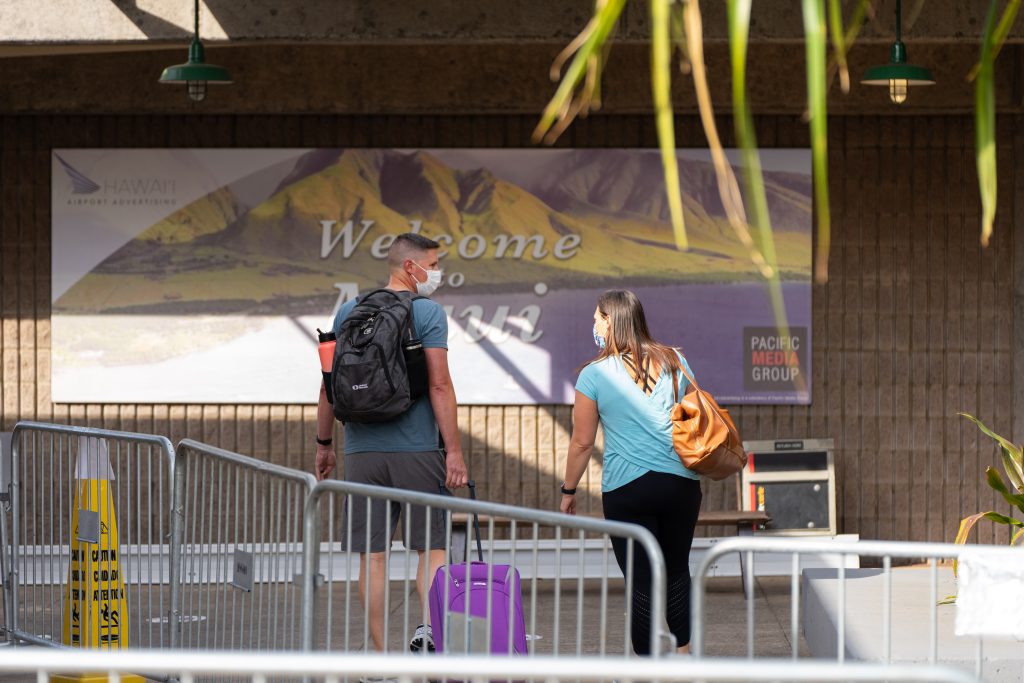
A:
568, 492
325, 442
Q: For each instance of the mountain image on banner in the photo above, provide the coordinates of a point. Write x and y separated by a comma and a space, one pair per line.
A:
218, 255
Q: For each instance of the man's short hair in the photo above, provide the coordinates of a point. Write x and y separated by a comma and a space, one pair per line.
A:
409, 245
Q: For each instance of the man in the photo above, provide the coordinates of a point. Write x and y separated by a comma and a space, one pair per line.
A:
403, 453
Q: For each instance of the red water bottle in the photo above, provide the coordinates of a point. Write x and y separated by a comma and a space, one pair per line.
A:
327, 342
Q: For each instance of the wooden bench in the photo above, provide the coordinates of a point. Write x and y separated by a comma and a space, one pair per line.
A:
745, 522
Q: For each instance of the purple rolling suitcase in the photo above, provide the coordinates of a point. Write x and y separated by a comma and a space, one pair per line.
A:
459, 630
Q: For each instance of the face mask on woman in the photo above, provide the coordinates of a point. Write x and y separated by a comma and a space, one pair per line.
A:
598, 339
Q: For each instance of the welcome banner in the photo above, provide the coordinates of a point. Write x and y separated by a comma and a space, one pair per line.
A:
200, 276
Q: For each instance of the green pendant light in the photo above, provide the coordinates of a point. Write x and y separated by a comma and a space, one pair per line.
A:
897, 74
196, 73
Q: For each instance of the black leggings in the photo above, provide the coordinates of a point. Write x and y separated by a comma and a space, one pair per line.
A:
667, 505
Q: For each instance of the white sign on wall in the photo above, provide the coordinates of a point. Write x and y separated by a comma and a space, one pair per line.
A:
200, 276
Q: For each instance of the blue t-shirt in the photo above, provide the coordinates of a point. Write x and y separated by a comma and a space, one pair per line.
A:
416, 429
637, 427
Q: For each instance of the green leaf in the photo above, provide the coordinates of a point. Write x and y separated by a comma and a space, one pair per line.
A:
985, 125
817, 90
692, 42
1013, 471
756, 199
1013, 456
966, 524
852, 31
1005, 443
588, 53
999, 36
996, 482
1003, 519
860, 13
661, 88
835, 22
1006, 22
1017, 536
948, 600
677, 25
753, 178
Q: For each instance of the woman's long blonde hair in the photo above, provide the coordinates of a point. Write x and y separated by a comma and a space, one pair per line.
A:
628, 334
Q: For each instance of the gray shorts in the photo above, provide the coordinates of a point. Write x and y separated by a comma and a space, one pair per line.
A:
422, 471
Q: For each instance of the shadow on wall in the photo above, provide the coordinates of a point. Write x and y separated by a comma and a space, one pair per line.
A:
149, 23
235, 18
528, 476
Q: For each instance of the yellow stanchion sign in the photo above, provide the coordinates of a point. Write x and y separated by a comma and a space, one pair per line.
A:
95, 604
95, 607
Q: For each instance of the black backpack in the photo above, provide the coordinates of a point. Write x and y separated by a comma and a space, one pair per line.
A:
379, 368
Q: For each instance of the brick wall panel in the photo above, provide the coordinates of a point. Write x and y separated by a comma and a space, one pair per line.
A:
913, 326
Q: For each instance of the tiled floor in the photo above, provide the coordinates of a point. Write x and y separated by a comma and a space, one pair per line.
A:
578, 614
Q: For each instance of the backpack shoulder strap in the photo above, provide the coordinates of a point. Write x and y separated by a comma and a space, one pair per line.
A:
403, 296
412, 298
375, 292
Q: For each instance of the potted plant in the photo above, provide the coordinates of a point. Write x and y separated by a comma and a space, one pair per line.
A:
1013, 465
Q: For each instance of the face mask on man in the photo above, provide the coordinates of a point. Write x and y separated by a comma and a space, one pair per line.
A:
598, 339
433, 281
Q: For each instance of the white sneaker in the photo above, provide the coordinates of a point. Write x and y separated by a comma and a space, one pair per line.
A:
424, 634
373, 678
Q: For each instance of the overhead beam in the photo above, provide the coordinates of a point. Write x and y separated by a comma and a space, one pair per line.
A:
100, 23
461, 79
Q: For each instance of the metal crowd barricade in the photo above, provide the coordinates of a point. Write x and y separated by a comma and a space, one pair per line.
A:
887, 551
236, 540
86, 542
573, 602
5, 511
258, 667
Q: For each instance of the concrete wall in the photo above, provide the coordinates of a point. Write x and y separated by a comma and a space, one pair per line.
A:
467, 78
29, 22
915, 324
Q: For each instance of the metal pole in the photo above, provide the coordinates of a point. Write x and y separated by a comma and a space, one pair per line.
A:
561, 669
13, 577
310, 564
177, 534
898, 22
5, 577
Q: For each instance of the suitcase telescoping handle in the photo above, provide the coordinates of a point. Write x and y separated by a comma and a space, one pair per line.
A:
476, 518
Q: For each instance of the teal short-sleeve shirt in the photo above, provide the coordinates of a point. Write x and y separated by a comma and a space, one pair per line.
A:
416, 429
637, 426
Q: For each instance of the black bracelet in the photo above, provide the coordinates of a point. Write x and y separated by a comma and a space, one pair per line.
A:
568, 492
324, 442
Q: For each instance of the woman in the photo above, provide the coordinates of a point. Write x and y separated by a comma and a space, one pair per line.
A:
628, 387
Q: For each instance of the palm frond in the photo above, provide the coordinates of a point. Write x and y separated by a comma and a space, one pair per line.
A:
579, 90
661, 88
728, 188
985, 125
817, 90
857, 19
753, 177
